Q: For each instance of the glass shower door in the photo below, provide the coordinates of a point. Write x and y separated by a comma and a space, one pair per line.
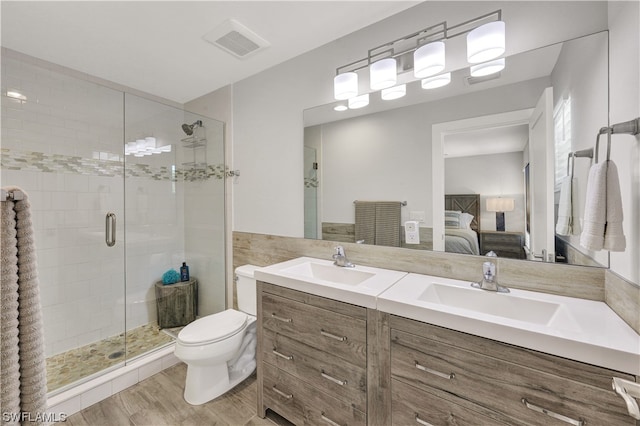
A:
62, 144
174, 196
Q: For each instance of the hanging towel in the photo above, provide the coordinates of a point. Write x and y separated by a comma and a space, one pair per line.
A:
365, 222
614, 239
603, 210
568, 223
378, 222
565, 213
9, 356
20, 282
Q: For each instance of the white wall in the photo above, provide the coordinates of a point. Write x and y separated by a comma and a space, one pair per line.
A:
624, 24
267, 108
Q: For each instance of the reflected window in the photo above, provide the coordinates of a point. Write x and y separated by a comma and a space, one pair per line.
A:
562, 138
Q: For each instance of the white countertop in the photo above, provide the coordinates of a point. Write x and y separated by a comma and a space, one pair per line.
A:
579, 329
296, 275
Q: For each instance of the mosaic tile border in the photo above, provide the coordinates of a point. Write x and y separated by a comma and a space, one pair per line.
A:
34, 161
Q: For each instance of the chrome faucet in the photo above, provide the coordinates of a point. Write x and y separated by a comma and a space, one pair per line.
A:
489, 280
340, 258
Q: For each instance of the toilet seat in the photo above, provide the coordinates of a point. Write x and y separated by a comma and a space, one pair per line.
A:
213, 328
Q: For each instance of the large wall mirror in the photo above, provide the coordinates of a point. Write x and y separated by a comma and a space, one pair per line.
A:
495, 149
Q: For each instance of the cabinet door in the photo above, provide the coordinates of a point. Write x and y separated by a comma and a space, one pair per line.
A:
412, 406
528, 396
328, 331
301, 404
322, 370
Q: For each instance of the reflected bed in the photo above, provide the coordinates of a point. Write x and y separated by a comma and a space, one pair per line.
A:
461, 232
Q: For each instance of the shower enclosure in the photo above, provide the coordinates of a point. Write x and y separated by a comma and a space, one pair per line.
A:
122, 189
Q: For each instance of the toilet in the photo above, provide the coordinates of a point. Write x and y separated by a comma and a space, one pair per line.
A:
220, 349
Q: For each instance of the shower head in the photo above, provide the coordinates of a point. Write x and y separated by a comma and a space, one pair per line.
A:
188, 128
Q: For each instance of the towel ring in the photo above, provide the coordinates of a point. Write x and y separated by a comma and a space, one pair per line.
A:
606, 130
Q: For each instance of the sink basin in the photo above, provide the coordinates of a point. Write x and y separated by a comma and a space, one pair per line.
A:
359, 285
333, 273
502, 305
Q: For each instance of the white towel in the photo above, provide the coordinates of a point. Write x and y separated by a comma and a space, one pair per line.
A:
565, 212
595, 208
568, 222
603, 210
614, 239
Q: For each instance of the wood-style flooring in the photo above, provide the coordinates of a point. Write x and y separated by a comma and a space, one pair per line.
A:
158, 401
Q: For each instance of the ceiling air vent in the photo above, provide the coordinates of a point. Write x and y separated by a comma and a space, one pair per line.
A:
233, 37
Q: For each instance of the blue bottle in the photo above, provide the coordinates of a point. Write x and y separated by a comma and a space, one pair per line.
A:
184, 272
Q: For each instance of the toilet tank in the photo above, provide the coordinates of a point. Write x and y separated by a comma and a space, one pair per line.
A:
246, 288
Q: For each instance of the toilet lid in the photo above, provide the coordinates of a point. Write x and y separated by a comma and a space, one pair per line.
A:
213, 327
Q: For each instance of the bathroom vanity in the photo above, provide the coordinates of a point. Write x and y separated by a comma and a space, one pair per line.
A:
420, 358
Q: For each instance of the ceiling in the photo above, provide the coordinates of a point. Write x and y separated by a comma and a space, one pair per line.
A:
157, 46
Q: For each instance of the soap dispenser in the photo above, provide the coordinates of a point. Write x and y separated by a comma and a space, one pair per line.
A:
184, 272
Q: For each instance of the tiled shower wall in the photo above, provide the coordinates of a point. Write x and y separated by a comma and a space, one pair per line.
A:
64, 147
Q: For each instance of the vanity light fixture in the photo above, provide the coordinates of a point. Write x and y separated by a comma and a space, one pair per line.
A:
383, 74
395, 92
486, 42
434, 82
16, 95
359, 101
345, 85
145, 146
487, 68
423, 53
429, 59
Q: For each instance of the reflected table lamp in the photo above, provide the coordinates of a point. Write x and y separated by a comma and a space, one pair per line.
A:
500, 205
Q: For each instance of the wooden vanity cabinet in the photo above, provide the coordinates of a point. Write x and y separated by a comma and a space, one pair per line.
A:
312, 357
442, 377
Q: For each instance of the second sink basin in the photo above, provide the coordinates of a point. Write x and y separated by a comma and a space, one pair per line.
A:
502, 305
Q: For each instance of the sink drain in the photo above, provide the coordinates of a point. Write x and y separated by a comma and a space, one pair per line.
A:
116, 354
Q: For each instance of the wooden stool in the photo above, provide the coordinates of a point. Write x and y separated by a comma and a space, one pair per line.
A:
177, 304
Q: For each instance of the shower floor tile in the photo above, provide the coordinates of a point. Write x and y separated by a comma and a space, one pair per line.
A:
68, 367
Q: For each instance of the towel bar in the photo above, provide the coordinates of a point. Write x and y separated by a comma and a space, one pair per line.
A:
585, 153
14, 195
631, 127
402, 203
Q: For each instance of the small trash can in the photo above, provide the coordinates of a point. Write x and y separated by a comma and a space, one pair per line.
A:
177, 304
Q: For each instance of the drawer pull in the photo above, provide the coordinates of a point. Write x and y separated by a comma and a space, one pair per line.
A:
333, 379
552, 414
281, 355
333, 336
328, 420
274, 316
437, 373
282, 394
422, 422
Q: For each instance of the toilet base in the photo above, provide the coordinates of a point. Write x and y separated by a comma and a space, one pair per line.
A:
199, 388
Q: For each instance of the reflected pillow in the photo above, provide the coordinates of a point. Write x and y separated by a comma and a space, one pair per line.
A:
465, 220
452, 219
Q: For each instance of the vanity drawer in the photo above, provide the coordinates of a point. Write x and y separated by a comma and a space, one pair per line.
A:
527, 395
332, 332
322, 370
412, 406
301, 404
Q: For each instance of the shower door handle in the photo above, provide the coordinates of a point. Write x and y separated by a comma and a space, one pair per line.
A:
110, 229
